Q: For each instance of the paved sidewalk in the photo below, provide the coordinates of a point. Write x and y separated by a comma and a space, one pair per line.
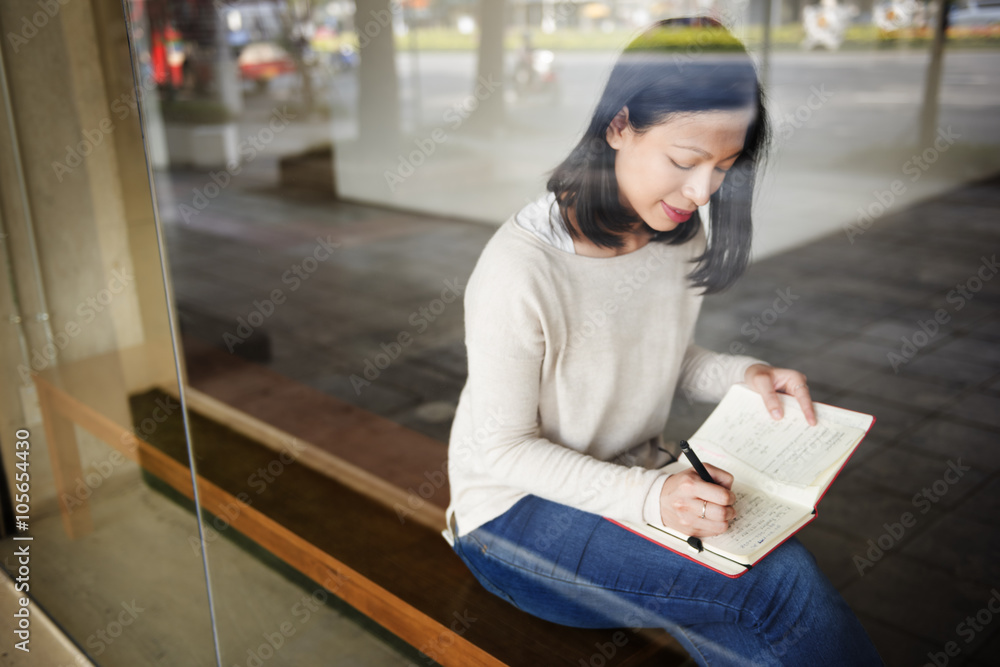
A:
903, 322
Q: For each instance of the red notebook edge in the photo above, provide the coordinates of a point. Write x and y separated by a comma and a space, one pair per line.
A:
843, 465
679, 553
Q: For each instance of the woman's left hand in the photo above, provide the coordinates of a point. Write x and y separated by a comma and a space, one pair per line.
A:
768, 380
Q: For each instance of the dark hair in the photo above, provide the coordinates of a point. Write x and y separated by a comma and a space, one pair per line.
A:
656, 81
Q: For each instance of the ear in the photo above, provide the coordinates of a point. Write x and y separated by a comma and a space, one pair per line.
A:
617, 128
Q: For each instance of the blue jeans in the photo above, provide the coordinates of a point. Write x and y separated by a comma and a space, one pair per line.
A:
578, 569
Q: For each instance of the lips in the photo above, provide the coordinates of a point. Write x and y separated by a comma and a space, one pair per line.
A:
676, 214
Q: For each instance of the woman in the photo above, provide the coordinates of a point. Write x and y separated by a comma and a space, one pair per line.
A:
580, 315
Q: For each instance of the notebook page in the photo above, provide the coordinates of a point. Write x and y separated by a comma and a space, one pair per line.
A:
788, 450
759, 518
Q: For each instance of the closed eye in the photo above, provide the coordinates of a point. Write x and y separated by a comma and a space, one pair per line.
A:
690, 167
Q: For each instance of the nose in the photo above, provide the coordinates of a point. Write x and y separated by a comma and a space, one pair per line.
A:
698, 188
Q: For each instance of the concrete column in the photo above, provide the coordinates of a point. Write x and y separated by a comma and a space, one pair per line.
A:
378, 93
76, 207
64, 126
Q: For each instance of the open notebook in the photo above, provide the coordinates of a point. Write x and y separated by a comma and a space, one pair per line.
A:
781, 470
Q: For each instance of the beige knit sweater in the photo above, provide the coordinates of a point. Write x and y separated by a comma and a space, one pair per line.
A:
573, 363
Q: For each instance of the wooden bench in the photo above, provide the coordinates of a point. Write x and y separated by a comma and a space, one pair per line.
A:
400, 574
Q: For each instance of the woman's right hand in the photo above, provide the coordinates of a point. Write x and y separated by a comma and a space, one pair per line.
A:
684, 495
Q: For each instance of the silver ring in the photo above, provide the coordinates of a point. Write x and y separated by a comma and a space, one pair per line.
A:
798, 386
704, 506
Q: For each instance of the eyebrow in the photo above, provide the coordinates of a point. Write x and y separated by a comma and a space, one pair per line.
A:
706, 154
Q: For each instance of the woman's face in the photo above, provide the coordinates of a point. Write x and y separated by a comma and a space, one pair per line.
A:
670, 169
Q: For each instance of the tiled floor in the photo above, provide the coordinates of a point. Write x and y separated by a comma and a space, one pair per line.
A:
851, 305
864, 331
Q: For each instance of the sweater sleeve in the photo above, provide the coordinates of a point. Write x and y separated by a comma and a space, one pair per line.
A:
706, 376
505, 341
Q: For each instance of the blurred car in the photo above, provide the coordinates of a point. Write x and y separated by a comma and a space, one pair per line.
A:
262, 61
975, 13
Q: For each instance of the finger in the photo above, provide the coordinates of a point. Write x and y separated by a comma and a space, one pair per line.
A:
718, 513
797, 387
709, 528
713, 493
763, 384
694, 489
805, 400
721, 477
720, 518
715, 521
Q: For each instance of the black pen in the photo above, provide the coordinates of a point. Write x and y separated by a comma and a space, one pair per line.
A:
703, 473
696, 463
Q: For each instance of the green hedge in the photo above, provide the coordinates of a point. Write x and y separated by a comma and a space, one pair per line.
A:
786, 37
688, 39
